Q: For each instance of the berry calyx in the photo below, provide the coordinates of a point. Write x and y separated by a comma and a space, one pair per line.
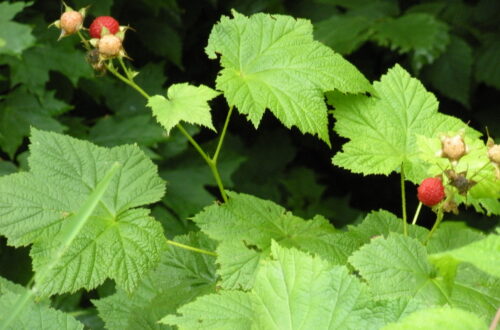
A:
431, 191
109, 45
453, 147
103, 25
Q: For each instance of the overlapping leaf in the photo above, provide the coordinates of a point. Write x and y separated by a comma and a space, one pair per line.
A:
245, 227
272, 62
113, 131
180, 277
383, 129
14, 37
382, 223
293, 290
20, 110
398, 267
184, 102
35, 314
484, 254
476, 291
420, 33
439, 318
119, 241
451, 73
487, 67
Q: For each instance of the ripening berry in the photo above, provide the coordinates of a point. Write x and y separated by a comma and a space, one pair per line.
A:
431, 191
453, 147
494, 153
108, 22
70, 22
109, 45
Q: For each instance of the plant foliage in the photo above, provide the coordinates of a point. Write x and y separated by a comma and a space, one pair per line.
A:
133, 197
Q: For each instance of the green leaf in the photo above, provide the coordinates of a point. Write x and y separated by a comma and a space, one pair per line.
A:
112, 131
383, 130
484, 254
382, 223
36, 315
422, 34
487, 62
272, 62
245, 227
439, 318
14, 37
226, 310
180, 277
21, 110
7, 167
184, 102
32, 69
344, 34
120, 240
404, 261
451, 73
452, 235
293, 290
476, 291
161, 39
299, 291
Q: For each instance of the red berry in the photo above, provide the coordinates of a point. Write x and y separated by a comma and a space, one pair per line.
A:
431, 191
100, 22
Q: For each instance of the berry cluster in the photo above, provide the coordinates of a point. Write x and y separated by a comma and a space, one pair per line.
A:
432, 192
106, 35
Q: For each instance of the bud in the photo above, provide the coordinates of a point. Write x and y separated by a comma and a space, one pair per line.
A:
70, 21
453, 147
494, 153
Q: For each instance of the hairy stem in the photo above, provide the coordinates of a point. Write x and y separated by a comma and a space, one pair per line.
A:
417, 212
222, 136
439, 218
211, 162
403, 202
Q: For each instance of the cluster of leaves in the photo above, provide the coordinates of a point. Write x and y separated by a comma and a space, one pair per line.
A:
82, 206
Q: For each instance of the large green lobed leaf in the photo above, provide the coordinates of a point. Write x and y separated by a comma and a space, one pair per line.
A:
293, 290
383, 129
272, 62
119, 240
245, 227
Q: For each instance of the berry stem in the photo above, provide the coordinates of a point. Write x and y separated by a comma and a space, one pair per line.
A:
417, 212
403, 201
211, 162
191, 248
439, 218
86, 43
